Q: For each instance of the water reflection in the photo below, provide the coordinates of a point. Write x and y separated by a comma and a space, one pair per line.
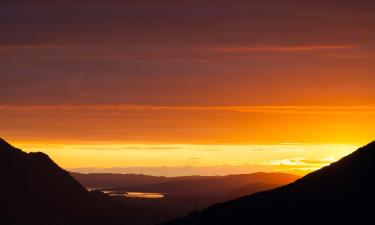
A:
135, 194
143, 195
132, 194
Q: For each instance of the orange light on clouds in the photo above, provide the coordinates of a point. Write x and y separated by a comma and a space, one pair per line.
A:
208, 159
189, 125
139, 89
226, 139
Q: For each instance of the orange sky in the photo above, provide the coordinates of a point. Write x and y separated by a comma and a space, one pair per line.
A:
189, 125
213, 140
134, 78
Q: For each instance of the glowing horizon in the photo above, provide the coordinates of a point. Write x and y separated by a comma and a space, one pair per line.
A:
192, 159
140, 76
191, 140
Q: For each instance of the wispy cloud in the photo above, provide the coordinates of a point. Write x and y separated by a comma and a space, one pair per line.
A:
249, 109
30, 47
301, 164
296, 48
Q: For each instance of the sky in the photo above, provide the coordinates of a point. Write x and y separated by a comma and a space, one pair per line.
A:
188, 87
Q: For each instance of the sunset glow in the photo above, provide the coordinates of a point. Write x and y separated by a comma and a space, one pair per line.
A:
187, 159
198, 87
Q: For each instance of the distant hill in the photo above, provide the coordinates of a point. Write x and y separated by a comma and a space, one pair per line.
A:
34, 190
250, 189
102, 180
197, 185
188, 193
342, 193
213, 185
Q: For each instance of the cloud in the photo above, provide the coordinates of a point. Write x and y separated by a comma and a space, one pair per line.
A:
301, 48
127, 147
298, 162
145, 23
175, 108
300, 165
191, 53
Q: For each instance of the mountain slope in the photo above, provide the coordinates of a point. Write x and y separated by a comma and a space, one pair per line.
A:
215, 185
188, 193
30, 180
34, 190
128, 180
102, 180
342, 193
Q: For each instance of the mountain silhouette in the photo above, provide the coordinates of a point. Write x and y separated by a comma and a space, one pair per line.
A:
102, 180
35, 190
207, 185
214, 185
341, 193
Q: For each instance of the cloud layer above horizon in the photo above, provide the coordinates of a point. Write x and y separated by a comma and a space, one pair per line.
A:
187, 52
223, 72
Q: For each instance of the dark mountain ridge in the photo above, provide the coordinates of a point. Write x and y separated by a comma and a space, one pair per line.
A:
178, 185
341, 193
212, 185
128, 180
35, 190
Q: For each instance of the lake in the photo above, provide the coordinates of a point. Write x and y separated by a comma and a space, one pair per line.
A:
132, 194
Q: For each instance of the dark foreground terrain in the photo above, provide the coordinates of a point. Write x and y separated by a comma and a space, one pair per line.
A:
342, 193
184, 194
34, 190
